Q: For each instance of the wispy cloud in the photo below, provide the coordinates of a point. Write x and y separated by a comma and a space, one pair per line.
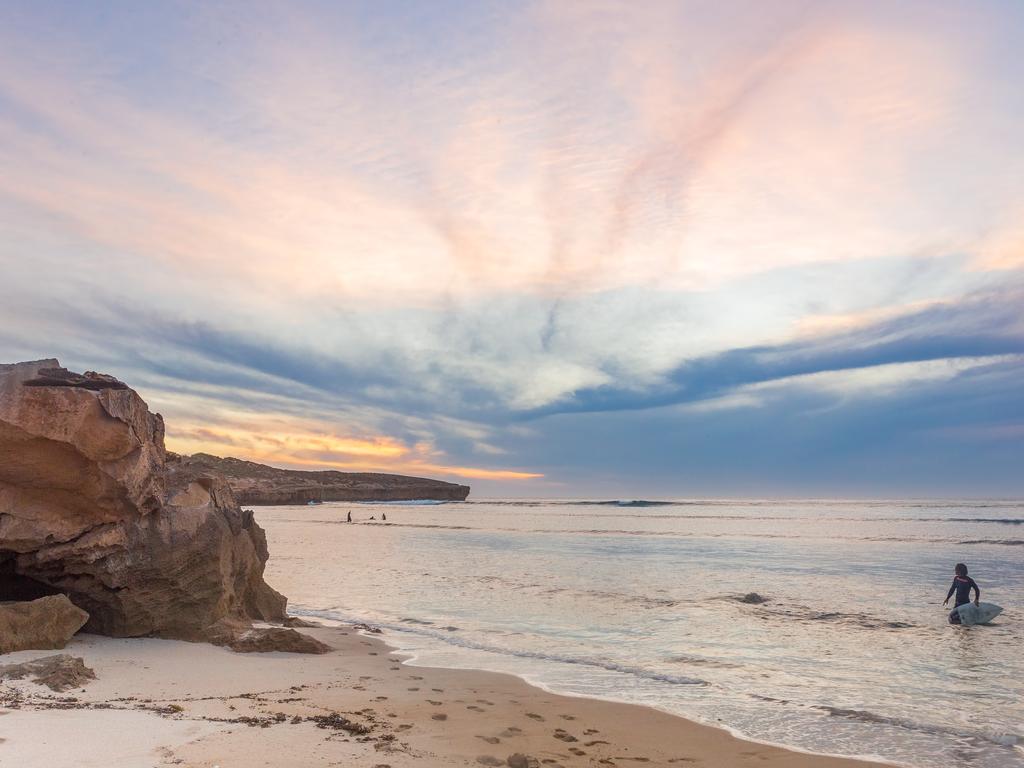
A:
983, 326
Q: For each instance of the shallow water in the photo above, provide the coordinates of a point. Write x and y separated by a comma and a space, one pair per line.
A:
850, 654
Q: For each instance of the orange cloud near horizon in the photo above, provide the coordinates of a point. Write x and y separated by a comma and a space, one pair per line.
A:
415, 468
294, 447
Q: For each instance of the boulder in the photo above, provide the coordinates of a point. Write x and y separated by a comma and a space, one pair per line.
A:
58, 673
92, 507
45, 624
268, 639
752, 598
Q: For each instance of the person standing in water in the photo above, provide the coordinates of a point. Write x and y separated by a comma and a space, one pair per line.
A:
962, 586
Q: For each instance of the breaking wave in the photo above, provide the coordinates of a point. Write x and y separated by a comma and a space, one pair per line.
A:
462, 642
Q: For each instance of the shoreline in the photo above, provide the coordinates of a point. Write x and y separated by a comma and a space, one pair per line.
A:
364, 703
412, 660
734, 733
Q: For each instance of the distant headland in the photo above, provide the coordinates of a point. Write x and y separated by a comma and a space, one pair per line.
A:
259, 484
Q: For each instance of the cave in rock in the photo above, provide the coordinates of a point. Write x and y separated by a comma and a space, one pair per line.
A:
17, 586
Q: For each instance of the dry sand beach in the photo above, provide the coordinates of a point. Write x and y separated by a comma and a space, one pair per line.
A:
163, 702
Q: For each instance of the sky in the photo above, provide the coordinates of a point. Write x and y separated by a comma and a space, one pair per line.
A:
594, 249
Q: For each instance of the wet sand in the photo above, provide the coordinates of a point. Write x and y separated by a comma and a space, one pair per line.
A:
164, 703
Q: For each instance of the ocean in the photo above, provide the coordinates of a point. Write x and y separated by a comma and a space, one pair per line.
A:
817, 625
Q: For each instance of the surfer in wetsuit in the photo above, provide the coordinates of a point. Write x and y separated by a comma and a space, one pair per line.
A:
962, 586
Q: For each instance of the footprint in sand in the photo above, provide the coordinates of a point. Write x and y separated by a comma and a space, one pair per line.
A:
563, 736
485, 701
415, 677
412, 689
490, 739
394, 669
475, 708
489, 760
435, 703
381, 698
683, 760
567, 717
594, 743
511, 731
403, 726
590, 731
577, 751
437, 690
535, 716
358, 688
439, 716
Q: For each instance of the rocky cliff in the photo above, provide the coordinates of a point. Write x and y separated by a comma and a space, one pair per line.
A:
254, 483
92, 507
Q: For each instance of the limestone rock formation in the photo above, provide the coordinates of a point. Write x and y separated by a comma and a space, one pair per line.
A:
58, 673
45, 624
254, 483
91, 507
264, 639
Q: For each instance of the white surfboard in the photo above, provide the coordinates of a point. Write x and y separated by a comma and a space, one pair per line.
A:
982, 613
